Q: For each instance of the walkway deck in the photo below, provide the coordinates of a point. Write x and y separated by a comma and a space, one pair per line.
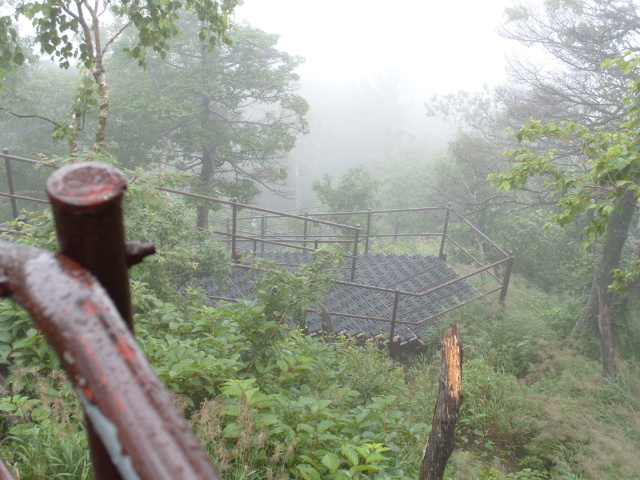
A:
411, 274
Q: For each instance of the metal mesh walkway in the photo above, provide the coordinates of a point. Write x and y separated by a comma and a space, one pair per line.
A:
408, 274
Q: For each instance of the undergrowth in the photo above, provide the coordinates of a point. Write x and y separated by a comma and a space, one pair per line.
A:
270, 402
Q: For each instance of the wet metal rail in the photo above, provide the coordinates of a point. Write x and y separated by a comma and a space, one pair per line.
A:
135, 432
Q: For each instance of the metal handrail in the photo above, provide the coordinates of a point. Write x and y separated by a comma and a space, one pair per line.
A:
88, 321
119, 391
264, 238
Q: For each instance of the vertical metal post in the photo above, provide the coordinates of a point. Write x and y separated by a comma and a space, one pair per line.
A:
392, 330
506, 279
315, 244
263, 230
86, 199
355, 252
366, 241
234, 226
12, 191
395, 231
304, 243
442, 255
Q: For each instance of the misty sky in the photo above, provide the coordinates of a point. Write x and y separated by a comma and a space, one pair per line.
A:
437, 47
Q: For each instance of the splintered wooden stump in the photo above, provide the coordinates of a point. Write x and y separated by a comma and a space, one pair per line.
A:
440, 443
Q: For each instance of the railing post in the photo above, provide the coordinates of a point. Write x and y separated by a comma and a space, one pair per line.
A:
234, 227
315, 244
395, 230
263, 229
506, 279
12, 191
355, 252
366, 241
304, 243
86, 200
392, 330
442, 256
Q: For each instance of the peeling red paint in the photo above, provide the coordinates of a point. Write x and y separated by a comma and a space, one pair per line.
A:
125, 349
88, 393
90, 308
118, 402
87, 345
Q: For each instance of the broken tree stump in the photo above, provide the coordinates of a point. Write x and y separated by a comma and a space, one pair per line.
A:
440, 443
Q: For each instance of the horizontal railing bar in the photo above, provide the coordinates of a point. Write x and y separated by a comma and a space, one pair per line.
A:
288, 245
420, 324
475, 230
472, 257
366, 212
28, 160
251, 207
20, 197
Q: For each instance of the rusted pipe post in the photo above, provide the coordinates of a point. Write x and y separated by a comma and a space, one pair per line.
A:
304, 242
234, 227
12, 191
86, 200
506, 279
354, 260
392, 330
366, 240
442, 256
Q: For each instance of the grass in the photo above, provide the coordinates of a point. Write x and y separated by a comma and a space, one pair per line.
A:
535, 402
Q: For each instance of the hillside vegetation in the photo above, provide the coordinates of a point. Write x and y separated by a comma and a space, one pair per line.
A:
268, 402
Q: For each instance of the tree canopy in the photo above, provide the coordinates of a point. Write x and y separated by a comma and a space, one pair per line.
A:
231, 115
82, 33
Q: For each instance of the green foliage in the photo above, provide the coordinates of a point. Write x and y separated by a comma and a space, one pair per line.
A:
287, 295
242, 118
11, 54
57, 23
268, 401
356, 191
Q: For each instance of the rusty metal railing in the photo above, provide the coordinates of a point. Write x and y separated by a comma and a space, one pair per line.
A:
79, 298
233, 234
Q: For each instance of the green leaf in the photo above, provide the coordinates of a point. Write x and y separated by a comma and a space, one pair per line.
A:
39, 413
332, 462
308, 472
351, 454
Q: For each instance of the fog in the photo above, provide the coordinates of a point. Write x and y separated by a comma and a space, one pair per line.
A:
369, 68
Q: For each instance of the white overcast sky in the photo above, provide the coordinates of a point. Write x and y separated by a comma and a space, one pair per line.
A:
438, 46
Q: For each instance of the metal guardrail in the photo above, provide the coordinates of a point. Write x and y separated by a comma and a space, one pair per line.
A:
354, 238
134, 430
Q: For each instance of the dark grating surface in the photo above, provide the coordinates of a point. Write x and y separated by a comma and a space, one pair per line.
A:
414, 274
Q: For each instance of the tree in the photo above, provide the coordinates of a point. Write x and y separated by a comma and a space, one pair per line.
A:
356, 191
606, 185
577, 36
80, 32
231, 115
